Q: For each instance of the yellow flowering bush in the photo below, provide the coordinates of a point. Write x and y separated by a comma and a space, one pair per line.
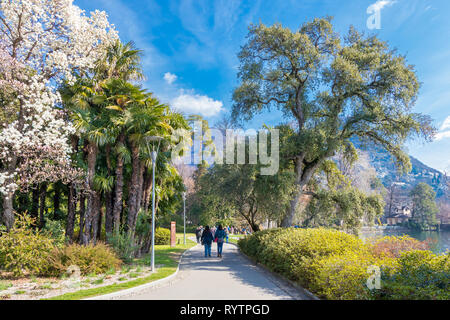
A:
419, 275
335, 265
23, 250
90, 259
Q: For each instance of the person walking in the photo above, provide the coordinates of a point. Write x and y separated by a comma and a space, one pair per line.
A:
213, 231
207, 239
198, 233
220, 236
227, 232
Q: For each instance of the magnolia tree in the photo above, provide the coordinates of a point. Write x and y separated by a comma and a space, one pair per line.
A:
42, 43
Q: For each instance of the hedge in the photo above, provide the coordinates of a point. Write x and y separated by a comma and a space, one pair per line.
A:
334, 265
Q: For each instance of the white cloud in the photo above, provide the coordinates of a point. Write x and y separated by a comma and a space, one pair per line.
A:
444, 131
446, 124
380, 4
442, 135
197, 104
170, 77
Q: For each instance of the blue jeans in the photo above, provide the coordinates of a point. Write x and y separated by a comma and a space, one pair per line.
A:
207, 250
219, 247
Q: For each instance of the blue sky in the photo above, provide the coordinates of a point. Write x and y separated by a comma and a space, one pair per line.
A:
191, 49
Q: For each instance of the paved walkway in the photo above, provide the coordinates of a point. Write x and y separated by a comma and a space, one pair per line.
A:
232, 277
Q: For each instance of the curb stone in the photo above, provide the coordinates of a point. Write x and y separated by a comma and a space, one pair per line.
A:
131, 291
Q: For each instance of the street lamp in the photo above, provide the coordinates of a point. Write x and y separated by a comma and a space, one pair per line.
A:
184, 214
153, 155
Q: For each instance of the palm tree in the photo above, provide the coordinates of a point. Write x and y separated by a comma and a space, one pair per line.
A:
90, 109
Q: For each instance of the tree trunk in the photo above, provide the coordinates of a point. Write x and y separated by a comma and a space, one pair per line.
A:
90, 209
96, 218
71, 209
303, 176
134, 188
118, 192
147, 189
8, 210
109, 212
140, 187
42, 196
82, 214
34, 213
57, 201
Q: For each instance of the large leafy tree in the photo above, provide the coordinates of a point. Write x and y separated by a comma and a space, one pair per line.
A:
424, 205
332, 89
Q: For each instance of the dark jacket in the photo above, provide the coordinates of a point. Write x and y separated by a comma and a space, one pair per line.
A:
207, 237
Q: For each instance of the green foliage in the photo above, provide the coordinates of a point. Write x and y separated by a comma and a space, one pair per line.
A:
5, 285
162, 236
424, 206
227, 191
334, 265
420, 275
345, 209
54, 229
90, 259
23, 250
332, 88
123, 244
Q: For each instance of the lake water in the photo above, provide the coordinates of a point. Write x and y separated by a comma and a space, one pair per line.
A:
440, 239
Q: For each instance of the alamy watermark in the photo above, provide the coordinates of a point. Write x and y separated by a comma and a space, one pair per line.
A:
230, 146
374, 280
374, 10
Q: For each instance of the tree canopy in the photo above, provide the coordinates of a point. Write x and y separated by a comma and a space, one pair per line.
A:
333, 89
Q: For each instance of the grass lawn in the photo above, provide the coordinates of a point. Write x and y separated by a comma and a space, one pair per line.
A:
234, 238
166, 261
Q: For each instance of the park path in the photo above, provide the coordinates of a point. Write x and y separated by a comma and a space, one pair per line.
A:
232, 277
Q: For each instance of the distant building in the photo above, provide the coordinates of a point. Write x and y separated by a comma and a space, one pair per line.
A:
400, 215
397, 219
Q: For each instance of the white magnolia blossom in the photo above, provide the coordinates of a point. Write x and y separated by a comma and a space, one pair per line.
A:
42, 42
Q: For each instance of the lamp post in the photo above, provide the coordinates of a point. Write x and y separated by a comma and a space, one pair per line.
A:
153, 155
184, 214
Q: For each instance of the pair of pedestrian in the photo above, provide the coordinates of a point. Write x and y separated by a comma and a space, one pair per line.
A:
208, 237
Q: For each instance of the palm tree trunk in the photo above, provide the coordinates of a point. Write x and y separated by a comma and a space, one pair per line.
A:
147, 190
134, 187
118, 192
109, 212
96, 218
91, 204
139, 202
42, 208
57, 201
82, 214
71, 207
35, 204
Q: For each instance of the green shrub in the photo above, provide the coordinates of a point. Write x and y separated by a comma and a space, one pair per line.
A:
123, 244
23, 250
90, 259
291, 252
162, 236
55, 229
334, 265
419, 275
